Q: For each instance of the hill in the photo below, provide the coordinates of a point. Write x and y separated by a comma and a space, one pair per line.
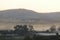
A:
24, 15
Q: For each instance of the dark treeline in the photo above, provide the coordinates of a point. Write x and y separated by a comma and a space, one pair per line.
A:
19, 30
27, 32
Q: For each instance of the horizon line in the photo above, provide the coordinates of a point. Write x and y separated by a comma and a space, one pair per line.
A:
28, 9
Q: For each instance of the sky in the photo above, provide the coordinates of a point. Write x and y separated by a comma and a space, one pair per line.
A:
36, 5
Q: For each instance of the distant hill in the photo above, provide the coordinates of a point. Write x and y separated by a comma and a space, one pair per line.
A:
24, 15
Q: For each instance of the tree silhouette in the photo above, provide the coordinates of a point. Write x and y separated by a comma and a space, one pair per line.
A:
21, 29
30, 27
25, 27
59, 29
53, 28
17, 27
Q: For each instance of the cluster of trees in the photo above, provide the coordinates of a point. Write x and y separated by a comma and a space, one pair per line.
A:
53, 29
23, 29
26, 28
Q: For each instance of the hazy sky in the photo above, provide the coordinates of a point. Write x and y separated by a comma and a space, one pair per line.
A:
36, 5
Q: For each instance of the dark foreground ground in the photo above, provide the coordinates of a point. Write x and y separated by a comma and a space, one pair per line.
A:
30, 37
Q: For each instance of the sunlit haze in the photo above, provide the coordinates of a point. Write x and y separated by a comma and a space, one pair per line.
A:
36, 5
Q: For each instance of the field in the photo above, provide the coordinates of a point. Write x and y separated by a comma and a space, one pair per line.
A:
56, 37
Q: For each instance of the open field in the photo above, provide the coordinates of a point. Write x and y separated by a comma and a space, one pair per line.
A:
30, 38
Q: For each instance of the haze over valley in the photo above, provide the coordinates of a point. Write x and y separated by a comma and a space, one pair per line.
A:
9, 18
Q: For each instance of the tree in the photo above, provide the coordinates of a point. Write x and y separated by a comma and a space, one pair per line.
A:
18, 27
25, 27
47, 30
21, 29
59, 29
30, 27
53, 28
